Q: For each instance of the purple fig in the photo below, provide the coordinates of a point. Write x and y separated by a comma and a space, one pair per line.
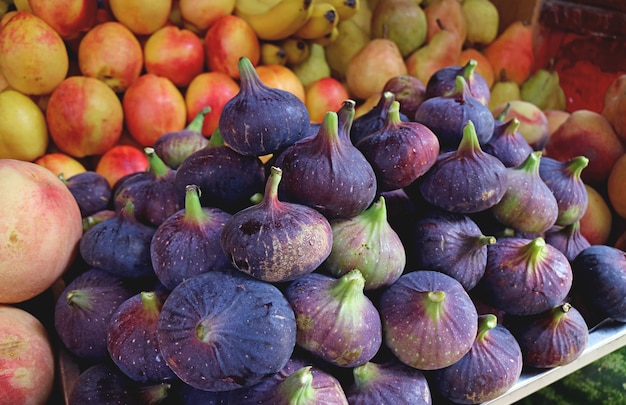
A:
452, 244
188, 242
374, 119
568, 239
448, 115
188, 395
408, 90
132, 338
429, 320
335, 320
174, 147
563, 179
91, 191
443, 82
261, 120
508, 144
83, 311
224, 330
388, 383
488, 370
399, 152
524, 276
466, 180
95, 218
276, 241
327, 172
528, 204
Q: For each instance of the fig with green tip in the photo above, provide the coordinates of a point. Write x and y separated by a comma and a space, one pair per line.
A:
563, 179
568, 239
507, 143
443, 81
374, 119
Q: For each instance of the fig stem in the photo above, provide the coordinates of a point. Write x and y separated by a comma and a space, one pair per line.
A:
393, 115
216, 138
248, 76
193, 208
77, 298
365, 374
271, 188
486, 323
151, 303
513, 126
486, 240
434, 304
348, 289
345, 117
504, 112
469, 69
128, 209
298, 387
535, 251
531, 163
469, 143
197, 121
376, 214
576, 165
157, 166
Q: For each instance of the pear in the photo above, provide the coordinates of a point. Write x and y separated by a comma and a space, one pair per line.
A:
352, 38
363, 16
450, 13
503, 91
542, 88
366, 75
402, 21
483, 21
314, 67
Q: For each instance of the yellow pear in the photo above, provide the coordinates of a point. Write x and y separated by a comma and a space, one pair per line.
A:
503, 91
482, 20
314, 67
351, 40
402, 21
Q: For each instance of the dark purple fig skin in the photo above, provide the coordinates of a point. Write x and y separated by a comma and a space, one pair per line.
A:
374, 119
408, 90
188, 395
399, 152
298, 379
507, 143
188, 242
153, 192
335, 320
524, 276
95, 218
91, 191
563, 179
327, 172
104, 384
452, 244
132, 338
528, 205
568, 239
390, 382
261, 120
600, 280
224, 330
119, 245
552, 338
226, 178
443, 82
466, 180
84, 309
276, 241
447, 115
429, 320
488, 370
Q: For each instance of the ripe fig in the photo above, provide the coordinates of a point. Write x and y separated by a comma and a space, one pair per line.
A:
452, 244
568, 239
367, 242
188, 395
174, 147
488, 370
524, 276
261, 120
152, 192
276, 241
552, 338
119, 245
335, 320
600, 280
83, 311
443, 82
528, 204
226, 179
224, 330
188, 242
563, 179
507, 143
374, 119
409, 91
389, 382
448, 115
466, 180
399, 152
429, 320
327, 172
91, 190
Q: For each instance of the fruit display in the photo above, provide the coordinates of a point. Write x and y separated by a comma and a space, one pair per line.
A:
297, 202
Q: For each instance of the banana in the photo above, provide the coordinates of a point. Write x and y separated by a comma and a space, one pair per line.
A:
255, 7
328, 38
296, 50
280, 21
345, 8
322, 21
542, 89
272, 54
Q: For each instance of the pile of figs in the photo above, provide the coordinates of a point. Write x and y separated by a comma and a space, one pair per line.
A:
380, 259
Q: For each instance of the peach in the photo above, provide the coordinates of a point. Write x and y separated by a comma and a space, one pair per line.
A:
61, 164
142, 17
23, 128
323, 95
200, 14
33, 57
121, 160
281, 77
40, 228
614, 109
534, 125
555, 118
26, 358
212, 89
616, 186
597, 222
69, 18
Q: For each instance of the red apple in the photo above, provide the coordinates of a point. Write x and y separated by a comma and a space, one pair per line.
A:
200, 14
69, 18
33, 57
596, 223
228, 39
587, 133
84, 116
143, 17
121, 160
60, 163
110, 52
323, 95
174, 53
40, 228
212, 89
26, 358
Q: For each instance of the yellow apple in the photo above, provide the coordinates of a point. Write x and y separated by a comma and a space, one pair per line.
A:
23, 128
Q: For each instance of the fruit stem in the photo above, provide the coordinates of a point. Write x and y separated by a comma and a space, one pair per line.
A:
365, 374
513, 126
157, 166
576, 165
330, 129
469, 144
128, 210
248, 76
393, 115
531, 163
61, 177
193, 208
560, 311
486, 240
434, 304
271, 188
348, 289
197, 121
535, 251
77, 298
486, 323
460, 89
151, 303
216, 138
504, 112
298, 387
345, 117
469, 69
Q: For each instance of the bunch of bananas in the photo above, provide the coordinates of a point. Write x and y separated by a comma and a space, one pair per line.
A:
314, 20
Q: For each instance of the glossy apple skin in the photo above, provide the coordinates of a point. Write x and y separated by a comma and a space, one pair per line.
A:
120, 161
69, 18
34, 199
323, 95
26, 358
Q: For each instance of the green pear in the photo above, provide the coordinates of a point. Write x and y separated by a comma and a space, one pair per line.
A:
314, 67
350, 41
402, 21
543, 89
503, 91
483, 20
